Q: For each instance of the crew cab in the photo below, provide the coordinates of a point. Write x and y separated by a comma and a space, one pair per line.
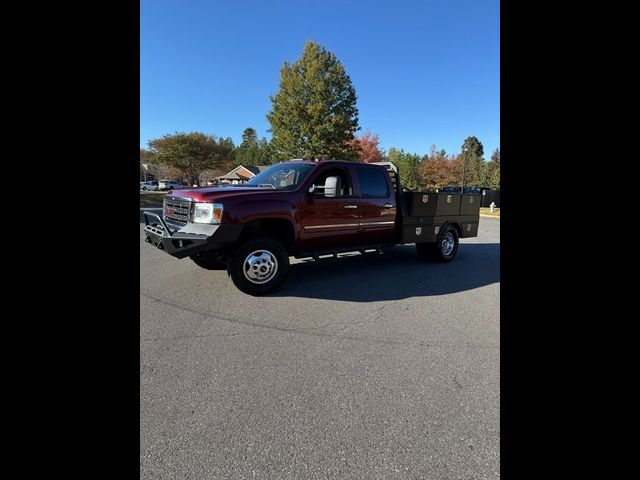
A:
307, 209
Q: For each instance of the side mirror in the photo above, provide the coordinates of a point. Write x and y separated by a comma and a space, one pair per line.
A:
331, 186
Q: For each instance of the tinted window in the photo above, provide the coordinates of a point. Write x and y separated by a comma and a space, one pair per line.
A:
373, 182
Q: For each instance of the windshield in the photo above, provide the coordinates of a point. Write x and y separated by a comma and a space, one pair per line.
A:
282, 176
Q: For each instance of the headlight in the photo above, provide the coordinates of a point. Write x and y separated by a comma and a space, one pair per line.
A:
207, 213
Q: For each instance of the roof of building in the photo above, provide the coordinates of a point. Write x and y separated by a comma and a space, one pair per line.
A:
257, 169
237, 173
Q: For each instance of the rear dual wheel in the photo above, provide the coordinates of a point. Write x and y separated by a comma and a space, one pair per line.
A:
445, 247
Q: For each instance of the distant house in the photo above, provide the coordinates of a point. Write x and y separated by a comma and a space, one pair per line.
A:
240, 175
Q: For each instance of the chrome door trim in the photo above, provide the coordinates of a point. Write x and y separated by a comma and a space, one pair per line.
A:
313, 227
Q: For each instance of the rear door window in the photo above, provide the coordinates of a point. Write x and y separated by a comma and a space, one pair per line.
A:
373, 182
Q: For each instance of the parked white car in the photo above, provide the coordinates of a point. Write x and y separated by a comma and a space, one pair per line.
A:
171, 185
149, 186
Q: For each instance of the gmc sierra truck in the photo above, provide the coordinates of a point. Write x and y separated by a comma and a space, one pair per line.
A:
307, 209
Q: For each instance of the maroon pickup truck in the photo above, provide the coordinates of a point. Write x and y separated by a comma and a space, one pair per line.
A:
307, 209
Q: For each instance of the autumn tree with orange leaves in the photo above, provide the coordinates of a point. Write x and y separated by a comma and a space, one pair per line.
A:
438, 170
368, 148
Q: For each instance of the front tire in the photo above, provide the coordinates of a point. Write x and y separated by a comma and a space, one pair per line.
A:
259, 266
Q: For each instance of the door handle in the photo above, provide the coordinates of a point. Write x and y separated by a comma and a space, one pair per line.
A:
350, 206
388, 205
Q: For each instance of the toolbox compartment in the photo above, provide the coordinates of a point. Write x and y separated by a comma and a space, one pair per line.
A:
470, 204
432, 204
448, 204
469, 229
426, 229
423, 233
422, 203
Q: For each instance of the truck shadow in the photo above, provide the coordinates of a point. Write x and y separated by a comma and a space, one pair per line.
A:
396, 274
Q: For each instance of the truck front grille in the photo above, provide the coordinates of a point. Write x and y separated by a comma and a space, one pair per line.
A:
176, 211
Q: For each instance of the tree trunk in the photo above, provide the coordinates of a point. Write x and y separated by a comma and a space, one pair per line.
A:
193, 179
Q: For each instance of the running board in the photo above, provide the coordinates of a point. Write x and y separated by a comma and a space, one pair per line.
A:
333, 254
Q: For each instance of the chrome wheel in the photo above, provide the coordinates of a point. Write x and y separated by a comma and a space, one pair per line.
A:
260, 266
447, 244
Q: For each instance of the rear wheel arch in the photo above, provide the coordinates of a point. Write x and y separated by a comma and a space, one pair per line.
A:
439, 250
455, 225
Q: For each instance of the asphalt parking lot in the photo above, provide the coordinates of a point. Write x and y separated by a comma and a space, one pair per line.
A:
377, 366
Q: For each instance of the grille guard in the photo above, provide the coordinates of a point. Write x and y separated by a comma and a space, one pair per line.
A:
181, 244
172, 241
161, 229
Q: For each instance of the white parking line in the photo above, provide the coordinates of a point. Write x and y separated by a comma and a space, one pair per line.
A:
151, 208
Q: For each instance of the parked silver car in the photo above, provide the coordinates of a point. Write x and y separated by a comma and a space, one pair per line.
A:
171, 185
149, 186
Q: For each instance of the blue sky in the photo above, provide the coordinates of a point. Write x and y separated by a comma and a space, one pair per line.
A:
425, 72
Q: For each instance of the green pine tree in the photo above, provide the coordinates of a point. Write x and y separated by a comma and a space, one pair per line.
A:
493, 170
314, 113
249, 137
253, 152
474, 164
407, 164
